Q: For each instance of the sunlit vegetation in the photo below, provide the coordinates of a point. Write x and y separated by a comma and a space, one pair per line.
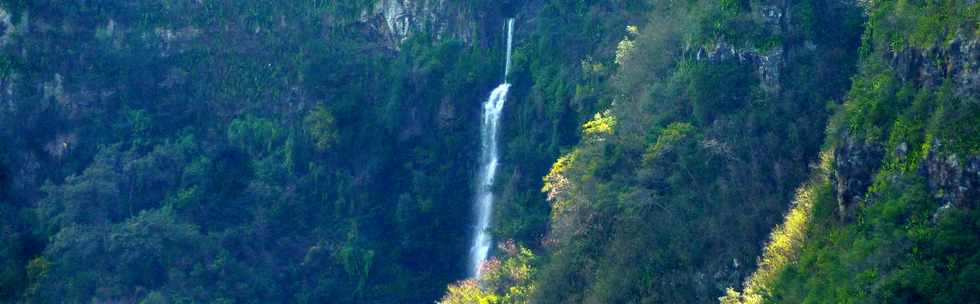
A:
921, 24
601, 124
672, 187
787, 239
902, 243
277, 151
505, 280
652, 151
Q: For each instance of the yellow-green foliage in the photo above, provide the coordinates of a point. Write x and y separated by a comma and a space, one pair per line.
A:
786, 240
556, 183
902, 246
676, 187
921, 24
468, 292
601, 124
511, 279
503, 282
668, 137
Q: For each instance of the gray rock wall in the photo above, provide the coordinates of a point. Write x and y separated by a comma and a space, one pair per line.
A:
398, 20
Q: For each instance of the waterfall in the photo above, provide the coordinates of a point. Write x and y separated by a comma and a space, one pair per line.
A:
489, 125
510, 40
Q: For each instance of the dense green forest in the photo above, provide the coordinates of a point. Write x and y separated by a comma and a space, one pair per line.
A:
651, 151
231, 151
891, 214
253, 151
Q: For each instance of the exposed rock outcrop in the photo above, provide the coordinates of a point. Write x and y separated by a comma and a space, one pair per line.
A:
854, 168
964, 66
768, 63
959, 61
953, 179
398, 20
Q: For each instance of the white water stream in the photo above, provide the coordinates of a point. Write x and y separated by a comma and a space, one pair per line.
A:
492, 109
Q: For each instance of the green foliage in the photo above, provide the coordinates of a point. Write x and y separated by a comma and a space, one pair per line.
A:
199, 111
320, 125
903, 245
872, 103
357, 262
668, 139
182, 160
677, 187
899, 252
921, 24
147, 250
599, 125
709, 99
468, 292
554, 92
256, 135
505, 281
782, 251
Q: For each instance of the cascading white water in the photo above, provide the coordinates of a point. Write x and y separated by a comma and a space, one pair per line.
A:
488, 164
510, 40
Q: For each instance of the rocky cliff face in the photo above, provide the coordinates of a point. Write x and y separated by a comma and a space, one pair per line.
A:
953, 178
776, 56
959, 61
769, 62
398, 20
854, 170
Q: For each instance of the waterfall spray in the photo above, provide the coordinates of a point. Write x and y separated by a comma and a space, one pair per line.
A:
492, 109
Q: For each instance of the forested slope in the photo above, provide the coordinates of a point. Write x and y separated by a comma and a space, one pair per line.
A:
891, 215
716, 111
256, 151
651, 151
234, 151
720, 112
